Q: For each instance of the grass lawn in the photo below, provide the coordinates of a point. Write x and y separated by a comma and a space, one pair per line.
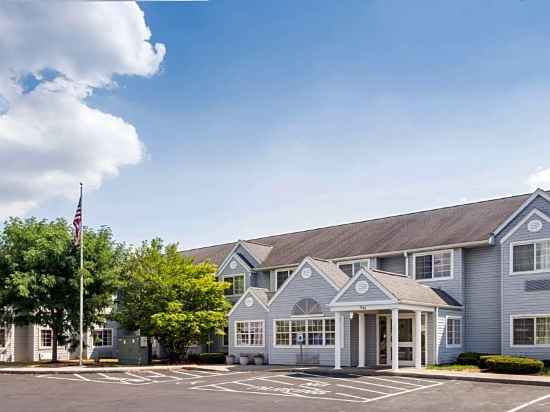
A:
455, 367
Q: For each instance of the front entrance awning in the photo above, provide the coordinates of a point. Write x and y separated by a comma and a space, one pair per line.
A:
373, 289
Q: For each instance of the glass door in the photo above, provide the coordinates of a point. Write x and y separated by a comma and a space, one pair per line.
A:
406, 340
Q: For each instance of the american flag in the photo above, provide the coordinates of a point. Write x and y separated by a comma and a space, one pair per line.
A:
77, 222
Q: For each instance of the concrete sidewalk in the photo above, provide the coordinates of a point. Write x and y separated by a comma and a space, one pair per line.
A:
38, 370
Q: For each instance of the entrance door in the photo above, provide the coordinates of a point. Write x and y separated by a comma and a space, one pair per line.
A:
406, 340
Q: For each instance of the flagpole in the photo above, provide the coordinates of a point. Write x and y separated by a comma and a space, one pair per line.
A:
81, 279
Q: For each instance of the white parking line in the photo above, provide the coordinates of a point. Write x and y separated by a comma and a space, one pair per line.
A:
365, 382
394, 381
133, 375
363, 389
274, 381
525, 405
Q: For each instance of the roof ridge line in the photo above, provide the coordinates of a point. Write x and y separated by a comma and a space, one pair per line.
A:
388, 217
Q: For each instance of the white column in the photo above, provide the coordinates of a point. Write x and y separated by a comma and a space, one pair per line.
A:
418, 339
337, 340
362, 340
395, 339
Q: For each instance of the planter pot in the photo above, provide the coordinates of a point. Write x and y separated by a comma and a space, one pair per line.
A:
230, 359
243, 360
258, 360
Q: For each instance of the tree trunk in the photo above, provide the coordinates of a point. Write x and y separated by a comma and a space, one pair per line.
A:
54, 346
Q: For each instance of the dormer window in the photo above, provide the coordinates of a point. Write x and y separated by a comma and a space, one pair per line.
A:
281, 277
236, 284
433, 265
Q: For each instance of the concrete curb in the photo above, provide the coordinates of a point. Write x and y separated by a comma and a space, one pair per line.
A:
113, 369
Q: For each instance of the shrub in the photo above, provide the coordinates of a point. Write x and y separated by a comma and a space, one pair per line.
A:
193, 357
512, 364
215, 357
471, 358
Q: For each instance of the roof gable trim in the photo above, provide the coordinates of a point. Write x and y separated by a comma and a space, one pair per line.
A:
311, 261
230, 257
353, 280
249, 291
523, 221
534, 195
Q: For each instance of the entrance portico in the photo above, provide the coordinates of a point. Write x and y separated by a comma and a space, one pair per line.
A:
404, 316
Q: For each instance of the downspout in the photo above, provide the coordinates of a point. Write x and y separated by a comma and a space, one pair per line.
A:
406, 254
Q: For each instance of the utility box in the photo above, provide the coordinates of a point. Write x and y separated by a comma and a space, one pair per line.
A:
133, 350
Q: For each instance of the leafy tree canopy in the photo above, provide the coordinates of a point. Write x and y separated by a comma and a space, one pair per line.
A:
165, 295
40, 276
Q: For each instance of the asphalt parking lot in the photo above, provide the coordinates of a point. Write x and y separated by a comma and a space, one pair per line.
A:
192, 390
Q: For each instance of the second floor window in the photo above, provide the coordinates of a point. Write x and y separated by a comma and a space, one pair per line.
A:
282, 276
531, 257
236, 284
436, 265
351, 268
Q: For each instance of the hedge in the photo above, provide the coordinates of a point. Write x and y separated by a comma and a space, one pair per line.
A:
214, 357
512, 364
472, 358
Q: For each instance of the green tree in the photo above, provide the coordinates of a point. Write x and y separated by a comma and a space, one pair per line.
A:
40, 272
166, 296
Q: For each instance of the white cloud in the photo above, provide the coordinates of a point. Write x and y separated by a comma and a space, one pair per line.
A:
49, 138
539, 179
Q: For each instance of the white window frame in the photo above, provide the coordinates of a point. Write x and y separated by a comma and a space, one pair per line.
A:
352, 262
434, 279
305, 345
454, 345
526, 272
103, 330
534, 345
290, 272
40, 346
248, 321
233, 284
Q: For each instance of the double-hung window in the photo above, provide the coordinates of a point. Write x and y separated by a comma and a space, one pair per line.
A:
454, 331
315, 332
435, 265
46, 338
249, 333
531, 330
281, 277
351, 268
236, 284
531, 257
103, 337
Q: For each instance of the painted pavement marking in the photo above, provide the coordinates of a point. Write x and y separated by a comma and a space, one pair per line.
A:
311, 386
530, 403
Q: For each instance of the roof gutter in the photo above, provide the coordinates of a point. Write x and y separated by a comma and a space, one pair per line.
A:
486, 242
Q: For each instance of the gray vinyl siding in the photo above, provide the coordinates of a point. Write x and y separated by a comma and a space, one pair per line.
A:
395, 264
7, 353
41, 353
104, 351
315, 287
447, 354
454, 286
371, 340
254, 312
374, 294
430, 338
515, 300
482, 325
239, 269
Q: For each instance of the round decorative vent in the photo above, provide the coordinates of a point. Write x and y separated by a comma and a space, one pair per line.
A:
233, 264
362, 287
249, 301
534, 225
306, 273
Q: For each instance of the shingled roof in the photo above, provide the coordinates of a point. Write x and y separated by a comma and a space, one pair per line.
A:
444, 226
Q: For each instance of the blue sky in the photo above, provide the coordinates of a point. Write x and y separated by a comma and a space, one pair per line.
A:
268, 117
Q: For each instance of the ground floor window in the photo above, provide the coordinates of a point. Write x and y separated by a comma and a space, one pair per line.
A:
454, 331
249, 333
103, 337
313, 332
2, 337
46, 338
531, 330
